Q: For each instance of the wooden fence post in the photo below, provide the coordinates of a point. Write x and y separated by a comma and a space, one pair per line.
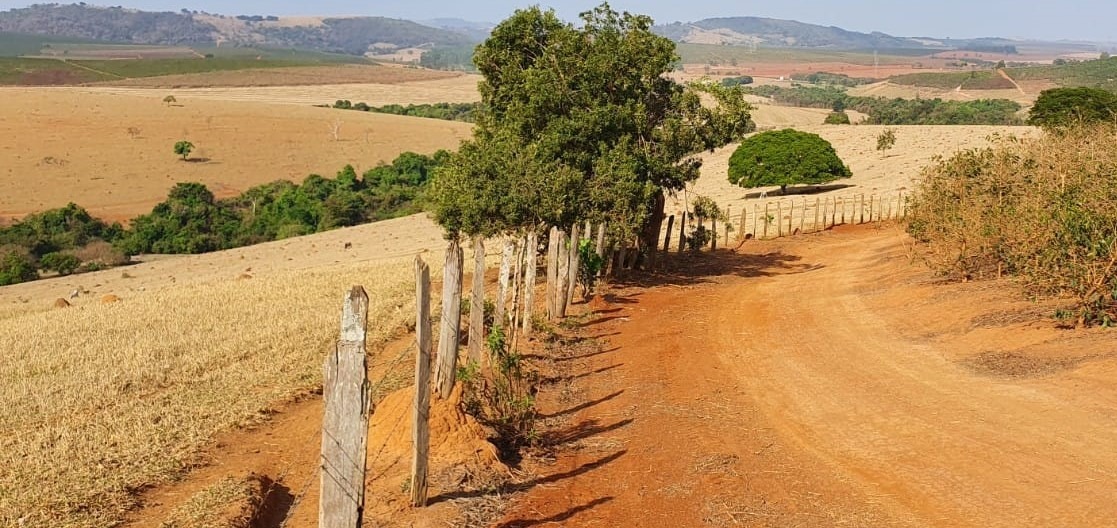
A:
601, 242
779, 219
572, 270
861, 208
345, 420
552, 273
714, 232
816, 212
833, 211
532, 249
755, 217
843, 201
447, 369
766, 217
683, 231
421, 424
889, 209
744, 219
477, 303
667, 239
803, 216
502, 290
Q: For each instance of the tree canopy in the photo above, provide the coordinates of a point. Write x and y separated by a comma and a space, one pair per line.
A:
785, 157
580, 123
1060, 107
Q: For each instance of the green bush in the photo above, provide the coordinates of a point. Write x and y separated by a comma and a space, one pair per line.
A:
837, 118
16, 268
785, 157
63, 263
1063, 107
736, 81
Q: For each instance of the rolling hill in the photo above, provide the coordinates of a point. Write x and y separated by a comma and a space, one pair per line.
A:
773, 32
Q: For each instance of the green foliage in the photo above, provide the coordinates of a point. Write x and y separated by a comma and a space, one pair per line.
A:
785, 157
61, 229
464, 112
882, 111
837, 118
1064, 107
456, 58
580, 122
184, 148
742, 80
704, 208
589, 266
15, 268
502, 397
1041, 209
886, 140
63, 263
837, 79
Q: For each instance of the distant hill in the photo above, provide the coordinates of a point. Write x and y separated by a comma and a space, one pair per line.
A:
350, 35
478, 31
782, 33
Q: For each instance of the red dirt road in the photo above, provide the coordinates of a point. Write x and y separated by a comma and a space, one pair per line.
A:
825, 380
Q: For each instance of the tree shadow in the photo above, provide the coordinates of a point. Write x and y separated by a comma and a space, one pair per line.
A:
695, 268
582, 407
556, 518
799, 191
276, 505
571, 377
197, 160
524, 486
581, 431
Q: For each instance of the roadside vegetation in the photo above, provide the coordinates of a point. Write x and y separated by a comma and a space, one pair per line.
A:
1042, 209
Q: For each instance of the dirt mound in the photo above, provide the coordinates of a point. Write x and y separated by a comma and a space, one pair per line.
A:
61, 303
461, 457
110, 299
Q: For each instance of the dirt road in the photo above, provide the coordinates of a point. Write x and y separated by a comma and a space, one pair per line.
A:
825, 381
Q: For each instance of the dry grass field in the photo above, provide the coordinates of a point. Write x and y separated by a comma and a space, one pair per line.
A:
291, 76
111, 151
102, 398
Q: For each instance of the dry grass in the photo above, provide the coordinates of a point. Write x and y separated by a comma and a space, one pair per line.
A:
228, 503
292, 76
104, 399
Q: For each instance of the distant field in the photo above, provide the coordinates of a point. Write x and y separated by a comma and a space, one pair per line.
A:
112, 152
1100, 73
972, 80
25, 71
289, 76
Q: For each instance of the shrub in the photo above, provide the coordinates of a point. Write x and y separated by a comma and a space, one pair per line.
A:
886, 140
63, 263
1044, 209
16, 267
837, 118
785, 157
1063, 107
589, 266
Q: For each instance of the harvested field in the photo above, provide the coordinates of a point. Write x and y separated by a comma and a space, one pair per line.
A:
290, 76
110, 149
126, 395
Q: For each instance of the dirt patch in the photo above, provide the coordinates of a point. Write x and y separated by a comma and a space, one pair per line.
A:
1021, 365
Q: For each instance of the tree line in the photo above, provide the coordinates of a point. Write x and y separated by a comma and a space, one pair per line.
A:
896, 111
464, 112
193, 220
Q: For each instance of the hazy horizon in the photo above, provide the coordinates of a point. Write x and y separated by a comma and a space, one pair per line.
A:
950, 18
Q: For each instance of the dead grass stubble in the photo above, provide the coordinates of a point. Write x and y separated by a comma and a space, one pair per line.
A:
1044, 209
102, 399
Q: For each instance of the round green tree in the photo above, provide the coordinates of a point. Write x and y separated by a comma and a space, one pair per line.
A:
1062, 107
184, 148
785, 157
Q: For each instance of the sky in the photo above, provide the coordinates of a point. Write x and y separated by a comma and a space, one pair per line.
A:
1089, 20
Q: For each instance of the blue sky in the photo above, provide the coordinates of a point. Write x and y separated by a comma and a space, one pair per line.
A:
1067, 19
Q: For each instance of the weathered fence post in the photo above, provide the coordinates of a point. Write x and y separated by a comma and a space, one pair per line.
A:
833, 211
477, 303
572, 269
447, 369
421, 424
803, 216
667, 239
345, 420
601, 241
872, 198
767, 216
502, 290
682, 232
552, 273
816, 212
532, 248
755, 217
714, 232
843, 202
889, 209
779, 220
862, 209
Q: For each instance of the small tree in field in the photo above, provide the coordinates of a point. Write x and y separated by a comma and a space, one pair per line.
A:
886, 140
785, 157
184, 148
169, 100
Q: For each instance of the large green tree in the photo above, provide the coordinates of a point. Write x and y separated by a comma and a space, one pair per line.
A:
581, 122
785, 157
1061, 107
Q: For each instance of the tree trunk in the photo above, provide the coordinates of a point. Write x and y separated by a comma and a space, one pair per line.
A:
649, 236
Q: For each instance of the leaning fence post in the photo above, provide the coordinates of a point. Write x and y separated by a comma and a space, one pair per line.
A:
477, 302
421, 423
447, 369
667, 239
345, 420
